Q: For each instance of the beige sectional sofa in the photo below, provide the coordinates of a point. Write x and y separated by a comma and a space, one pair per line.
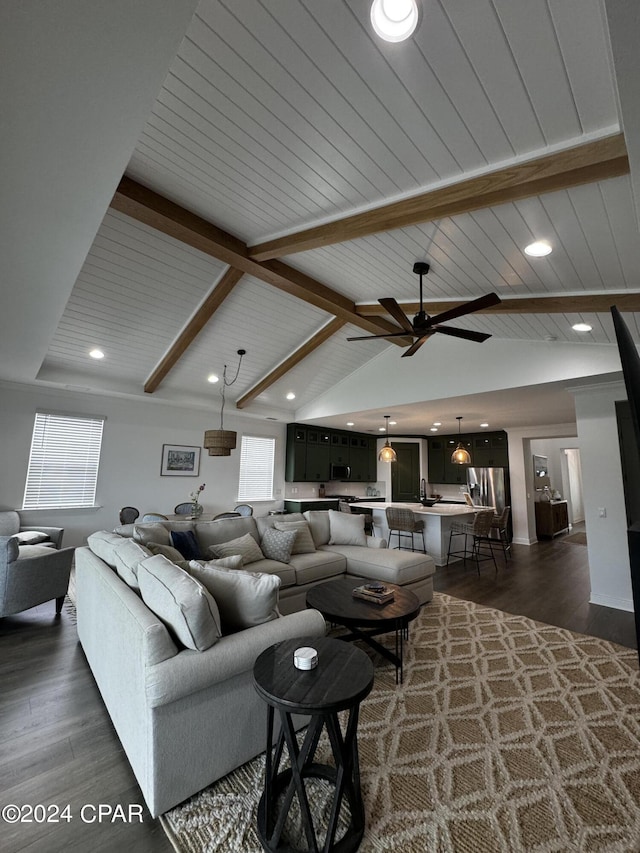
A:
372, 560
186, 717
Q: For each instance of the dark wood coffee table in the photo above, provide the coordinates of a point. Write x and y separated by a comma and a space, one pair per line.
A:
340, 681
365, 619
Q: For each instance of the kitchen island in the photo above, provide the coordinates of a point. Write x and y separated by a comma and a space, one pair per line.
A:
437, 523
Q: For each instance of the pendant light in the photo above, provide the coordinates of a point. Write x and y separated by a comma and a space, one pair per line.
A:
387, 454
220, 442
460, 455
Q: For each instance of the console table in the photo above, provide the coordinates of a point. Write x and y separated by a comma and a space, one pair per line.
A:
340, 681
552, 517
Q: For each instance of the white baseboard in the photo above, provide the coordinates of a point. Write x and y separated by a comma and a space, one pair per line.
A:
612, 601
521, 540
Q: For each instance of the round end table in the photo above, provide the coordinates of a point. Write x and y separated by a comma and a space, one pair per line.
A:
340, 681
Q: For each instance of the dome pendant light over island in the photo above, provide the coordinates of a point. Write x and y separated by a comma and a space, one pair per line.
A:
460, 455
387, 453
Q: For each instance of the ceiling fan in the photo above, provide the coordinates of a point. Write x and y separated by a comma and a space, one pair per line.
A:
424, 326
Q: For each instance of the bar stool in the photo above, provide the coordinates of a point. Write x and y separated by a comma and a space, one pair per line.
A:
479, 531
403, 523
500, 524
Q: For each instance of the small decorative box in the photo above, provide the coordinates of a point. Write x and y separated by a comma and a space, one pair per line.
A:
305, 658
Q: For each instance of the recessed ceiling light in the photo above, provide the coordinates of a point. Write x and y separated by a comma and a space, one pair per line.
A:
213, 378
96, 353
349, 423
392, 423
581, 327
437, 423
382, 429
538, 249
434, 429
394, 20
291, 396
484, 425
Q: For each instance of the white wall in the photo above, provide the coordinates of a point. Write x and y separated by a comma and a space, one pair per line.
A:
129, 473
603, 488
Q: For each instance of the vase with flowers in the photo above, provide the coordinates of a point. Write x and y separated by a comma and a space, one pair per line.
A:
196, 506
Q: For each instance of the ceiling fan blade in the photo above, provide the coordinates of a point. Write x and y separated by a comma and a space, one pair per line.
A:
467, 334
390, 335
391, 307
415, 346
466, 308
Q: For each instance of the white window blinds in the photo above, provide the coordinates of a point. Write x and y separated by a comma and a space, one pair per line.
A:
256, 468
63, 463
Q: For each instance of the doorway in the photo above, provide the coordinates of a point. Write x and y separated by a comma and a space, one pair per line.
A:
405, 472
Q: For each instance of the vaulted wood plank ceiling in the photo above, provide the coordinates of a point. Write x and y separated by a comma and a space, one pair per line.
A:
290, 151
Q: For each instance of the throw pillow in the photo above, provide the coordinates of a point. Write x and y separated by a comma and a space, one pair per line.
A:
127, 556
245, 598
304, 543
151, 532
167, 551
181, 602
346, 529
278, 544
31, 537
245, 545
234, 562
185, 541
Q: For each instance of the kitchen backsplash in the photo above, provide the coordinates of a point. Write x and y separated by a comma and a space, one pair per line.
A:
310, 490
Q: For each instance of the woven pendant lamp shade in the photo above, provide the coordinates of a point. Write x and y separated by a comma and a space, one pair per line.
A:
220, 442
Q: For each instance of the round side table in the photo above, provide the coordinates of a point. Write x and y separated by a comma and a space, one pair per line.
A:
341, 680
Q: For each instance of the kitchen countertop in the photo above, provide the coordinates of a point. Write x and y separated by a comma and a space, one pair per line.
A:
436, 509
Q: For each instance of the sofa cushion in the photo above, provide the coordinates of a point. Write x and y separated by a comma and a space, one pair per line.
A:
278, 544
40, 550
186, 543
234, 562
214, 532
318, 520
244, 599
167, 551
346, 529
317, 566
245, 545
264, 522
384, 564
128, 554
103, 545
180, 601
31, 537
284, 571
151, 532
304, 543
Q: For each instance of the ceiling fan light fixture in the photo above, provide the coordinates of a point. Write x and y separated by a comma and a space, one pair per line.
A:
394, 20
387, 453
460, 455
538, 249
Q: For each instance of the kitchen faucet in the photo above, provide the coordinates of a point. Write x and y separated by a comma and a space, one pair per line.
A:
423, 489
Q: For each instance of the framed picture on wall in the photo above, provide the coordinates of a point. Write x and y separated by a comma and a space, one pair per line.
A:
179, 460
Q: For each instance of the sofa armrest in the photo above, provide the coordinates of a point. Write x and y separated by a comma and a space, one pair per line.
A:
376, 542
191, 671
54, 533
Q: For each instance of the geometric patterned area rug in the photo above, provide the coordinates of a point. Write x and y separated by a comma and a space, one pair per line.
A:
507, 735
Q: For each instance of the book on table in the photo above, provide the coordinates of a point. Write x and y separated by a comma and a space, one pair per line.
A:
376, 592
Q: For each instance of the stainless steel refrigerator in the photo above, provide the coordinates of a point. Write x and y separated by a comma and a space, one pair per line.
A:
488, 487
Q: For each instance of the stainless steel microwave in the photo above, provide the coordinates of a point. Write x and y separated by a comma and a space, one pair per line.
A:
340, 472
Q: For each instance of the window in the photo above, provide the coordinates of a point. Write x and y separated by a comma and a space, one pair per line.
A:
63, 463
256, 468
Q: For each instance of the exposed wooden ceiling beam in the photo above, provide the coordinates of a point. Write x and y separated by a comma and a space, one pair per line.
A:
582, 164
295, 358
588, 303
193, 328
165, 216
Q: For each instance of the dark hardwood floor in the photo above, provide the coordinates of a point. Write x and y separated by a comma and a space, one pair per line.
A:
58, 745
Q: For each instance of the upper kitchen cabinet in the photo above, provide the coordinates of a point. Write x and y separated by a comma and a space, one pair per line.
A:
490, 450
487, 450
311, 451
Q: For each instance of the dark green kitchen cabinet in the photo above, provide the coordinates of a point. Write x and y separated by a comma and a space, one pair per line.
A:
487, 450
311, 451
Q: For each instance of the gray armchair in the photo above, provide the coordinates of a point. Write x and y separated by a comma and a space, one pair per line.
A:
10, 525
33, 572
